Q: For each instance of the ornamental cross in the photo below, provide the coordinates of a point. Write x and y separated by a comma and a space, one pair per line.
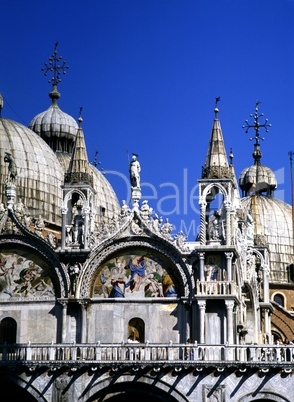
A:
256, 124
56, 65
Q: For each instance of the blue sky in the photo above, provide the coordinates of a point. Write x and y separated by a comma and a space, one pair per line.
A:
146, 73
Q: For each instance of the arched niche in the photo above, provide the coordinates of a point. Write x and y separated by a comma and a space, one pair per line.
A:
139, 268
136, 273
26, 273
136, 330
8, 328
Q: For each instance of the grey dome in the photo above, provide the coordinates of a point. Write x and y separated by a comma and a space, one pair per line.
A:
257, 177
56, 127
39, 173
273, 227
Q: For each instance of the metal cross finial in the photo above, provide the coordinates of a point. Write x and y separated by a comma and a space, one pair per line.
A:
217, 99
56, 65
256, 124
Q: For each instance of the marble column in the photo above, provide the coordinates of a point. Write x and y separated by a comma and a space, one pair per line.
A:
201, 266
63, 230
63, 321
202, 306
229, 257
230, 329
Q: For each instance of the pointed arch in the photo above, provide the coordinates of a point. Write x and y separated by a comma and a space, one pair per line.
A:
162, 253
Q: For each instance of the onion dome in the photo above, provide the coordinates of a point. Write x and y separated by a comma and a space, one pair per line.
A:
58, 129
257, 178
39, 174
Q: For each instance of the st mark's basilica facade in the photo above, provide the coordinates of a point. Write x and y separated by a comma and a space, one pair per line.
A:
101, 301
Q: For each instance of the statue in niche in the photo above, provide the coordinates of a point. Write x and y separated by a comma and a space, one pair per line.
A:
211, 273
213, 226
78, 224
250, 264
74, 271
135, 170
11, 167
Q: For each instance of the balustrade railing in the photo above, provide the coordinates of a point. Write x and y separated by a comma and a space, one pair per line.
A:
216, 288
113, 353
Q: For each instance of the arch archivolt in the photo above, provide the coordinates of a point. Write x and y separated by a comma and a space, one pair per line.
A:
221, 189
180, 270
264, 396
26, 263
69, 195
132, 380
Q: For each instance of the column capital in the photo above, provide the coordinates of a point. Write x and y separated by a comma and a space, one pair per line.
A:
229, 304
201, 304
229, 255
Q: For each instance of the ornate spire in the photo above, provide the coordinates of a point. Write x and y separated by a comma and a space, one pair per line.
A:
216, 163
56, 65
257, 126
78, 171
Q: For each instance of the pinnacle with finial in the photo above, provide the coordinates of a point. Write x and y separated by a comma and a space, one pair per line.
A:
80, 119
56, 65
256, 124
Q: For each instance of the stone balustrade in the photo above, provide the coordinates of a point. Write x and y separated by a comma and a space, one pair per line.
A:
160, 353
216, 288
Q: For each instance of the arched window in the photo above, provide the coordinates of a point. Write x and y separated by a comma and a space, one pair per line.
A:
8, 330
136, 330
278, 298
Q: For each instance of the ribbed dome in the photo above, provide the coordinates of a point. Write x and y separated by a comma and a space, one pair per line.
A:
39, 173
106, 199
257, 178
273, 227
56, 127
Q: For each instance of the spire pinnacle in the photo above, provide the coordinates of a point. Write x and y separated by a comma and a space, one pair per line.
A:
216, 162
80, 119
217, 99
